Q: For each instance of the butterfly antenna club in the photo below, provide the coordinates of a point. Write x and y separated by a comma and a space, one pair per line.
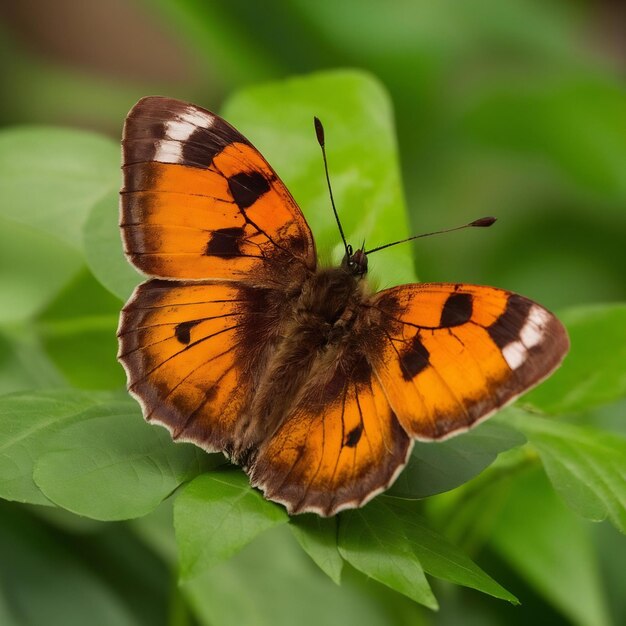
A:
319, 132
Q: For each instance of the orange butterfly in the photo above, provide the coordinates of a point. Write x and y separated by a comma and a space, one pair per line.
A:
302, 375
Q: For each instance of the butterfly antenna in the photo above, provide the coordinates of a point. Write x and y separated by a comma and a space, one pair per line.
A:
319, 131
483, 222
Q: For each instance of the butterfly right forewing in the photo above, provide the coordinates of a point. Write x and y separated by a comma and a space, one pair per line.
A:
453, 354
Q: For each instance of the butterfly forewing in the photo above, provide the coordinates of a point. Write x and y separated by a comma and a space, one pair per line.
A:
199, 201
453, 354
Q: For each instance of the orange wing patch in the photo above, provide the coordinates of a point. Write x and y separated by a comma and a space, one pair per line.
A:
199, 201
455, 353
339, 447
179, 345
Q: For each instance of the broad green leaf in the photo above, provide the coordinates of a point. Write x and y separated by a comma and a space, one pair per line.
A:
437, 555
586, 466
78, 331
33, 268
215, 516
111, 465
362, 156
28, 420
47, 584
51, 177
318, 538
551, 549
435, 467
271, 582
593, 372
375, 543
103, 248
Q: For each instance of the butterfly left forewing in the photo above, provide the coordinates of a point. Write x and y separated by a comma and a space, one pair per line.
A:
453, 354
200, 202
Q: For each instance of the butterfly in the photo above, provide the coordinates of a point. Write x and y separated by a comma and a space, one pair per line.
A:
240, 342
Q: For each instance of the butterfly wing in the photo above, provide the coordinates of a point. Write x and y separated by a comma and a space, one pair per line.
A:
340, 445
200, 202
453, 354
191, 350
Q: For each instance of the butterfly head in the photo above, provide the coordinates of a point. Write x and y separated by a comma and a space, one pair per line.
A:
355, 262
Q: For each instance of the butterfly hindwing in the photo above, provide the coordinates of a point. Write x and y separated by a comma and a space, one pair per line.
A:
338, 447
200, 202
453, 354
189, 350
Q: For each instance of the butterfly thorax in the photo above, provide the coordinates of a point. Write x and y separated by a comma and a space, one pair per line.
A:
328, 300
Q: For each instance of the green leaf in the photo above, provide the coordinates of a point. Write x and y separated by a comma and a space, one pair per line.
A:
586, 466
47, 584
216, 516
437, 555
362, 156
35, 267
435, 467
271, 583
551, 549
318, 538
375, 543
111, 465
78, 331
27, 422
51, 177
103, 248
593, 372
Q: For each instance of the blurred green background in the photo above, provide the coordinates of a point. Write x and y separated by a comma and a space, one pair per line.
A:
512, 108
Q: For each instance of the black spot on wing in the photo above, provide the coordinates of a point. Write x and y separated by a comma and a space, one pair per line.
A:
182, 331
508, 326
247, 187
457, 310
225, 242
353, 437
414, 359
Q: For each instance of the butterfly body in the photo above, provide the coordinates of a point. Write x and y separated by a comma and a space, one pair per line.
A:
319, 325
239, 342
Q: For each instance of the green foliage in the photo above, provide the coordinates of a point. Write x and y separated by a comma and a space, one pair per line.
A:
440, 466
36, 570
551, 549
318, 537
216, 516
90, 453
586, 466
